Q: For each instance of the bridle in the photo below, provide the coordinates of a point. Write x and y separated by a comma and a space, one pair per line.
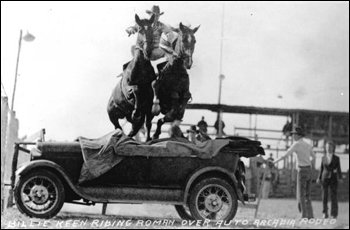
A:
141, 43
179, 48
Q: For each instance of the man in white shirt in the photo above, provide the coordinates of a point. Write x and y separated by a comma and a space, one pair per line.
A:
305, 158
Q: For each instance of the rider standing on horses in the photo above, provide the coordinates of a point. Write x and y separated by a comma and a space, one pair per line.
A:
163, 35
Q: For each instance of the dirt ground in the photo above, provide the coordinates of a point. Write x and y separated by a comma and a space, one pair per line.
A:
273, 213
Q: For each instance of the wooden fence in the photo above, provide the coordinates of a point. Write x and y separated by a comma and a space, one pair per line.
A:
9, 135
4, 119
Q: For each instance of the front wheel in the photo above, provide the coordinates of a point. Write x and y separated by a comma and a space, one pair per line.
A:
39, 194
213, 199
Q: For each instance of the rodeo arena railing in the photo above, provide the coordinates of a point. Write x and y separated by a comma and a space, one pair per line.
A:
11, 147
275, 144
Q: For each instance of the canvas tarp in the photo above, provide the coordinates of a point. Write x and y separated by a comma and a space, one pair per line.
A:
102, 154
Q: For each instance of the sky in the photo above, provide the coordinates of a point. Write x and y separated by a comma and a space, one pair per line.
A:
274, 54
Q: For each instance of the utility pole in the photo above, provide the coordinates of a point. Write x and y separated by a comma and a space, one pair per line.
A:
221, 77
28, 37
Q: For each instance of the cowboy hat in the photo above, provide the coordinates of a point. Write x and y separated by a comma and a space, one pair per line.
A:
193, 129
154, 10
298, 130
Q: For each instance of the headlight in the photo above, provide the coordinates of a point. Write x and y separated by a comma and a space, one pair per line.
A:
35, 153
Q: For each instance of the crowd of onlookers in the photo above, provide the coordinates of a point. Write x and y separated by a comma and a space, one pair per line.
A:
329, 176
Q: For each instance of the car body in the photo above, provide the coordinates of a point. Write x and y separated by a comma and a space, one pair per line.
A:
204, 186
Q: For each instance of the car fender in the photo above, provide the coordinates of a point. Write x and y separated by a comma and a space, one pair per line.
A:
213, 169
25, 168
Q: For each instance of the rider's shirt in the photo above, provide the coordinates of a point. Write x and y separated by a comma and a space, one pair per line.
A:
163, 37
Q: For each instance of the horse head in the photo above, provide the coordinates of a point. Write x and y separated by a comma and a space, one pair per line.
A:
186, 44
145, 35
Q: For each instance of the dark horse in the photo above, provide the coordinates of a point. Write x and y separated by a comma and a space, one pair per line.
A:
172, 87
132, 96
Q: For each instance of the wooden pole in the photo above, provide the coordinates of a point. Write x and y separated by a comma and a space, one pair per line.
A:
260, 192
221, 77
104, 208
16, 73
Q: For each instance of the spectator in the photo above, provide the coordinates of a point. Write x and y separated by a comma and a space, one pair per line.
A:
203, 126
202, 136
304, 152
216, 126
287, 129
192, 134
270, 177
329, 176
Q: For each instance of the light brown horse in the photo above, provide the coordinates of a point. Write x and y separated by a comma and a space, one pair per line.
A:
172, 87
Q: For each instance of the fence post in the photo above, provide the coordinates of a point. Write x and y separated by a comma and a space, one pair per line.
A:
4, 118
12, 138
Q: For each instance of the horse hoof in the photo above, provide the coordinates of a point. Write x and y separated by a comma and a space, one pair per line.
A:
155, 137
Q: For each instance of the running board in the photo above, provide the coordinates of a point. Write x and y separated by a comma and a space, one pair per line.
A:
133, 195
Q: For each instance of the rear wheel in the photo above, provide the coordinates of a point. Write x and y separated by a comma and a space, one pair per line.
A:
39, 194
213, 199
184, 212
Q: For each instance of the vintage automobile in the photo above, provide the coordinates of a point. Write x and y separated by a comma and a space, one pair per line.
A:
199, 187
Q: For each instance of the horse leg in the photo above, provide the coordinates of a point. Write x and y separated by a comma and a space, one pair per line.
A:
160, 123
159, 129
155, 107
115, 121
149, 118
136, 126
184, 102
114, 114
136, 115
175, 107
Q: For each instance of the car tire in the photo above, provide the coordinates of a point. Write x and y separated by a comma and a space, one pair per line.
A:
213, 199
39, 194
184, 212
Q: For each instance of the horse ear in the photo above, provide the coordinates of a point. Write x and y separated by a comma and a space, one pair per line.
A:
152, 18
137, 19
182, 28
195, 29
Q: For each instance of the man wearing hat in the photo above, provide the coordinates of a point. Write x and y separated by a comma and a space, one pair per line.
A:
329, 176
192, 134
161, 31
305, 159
